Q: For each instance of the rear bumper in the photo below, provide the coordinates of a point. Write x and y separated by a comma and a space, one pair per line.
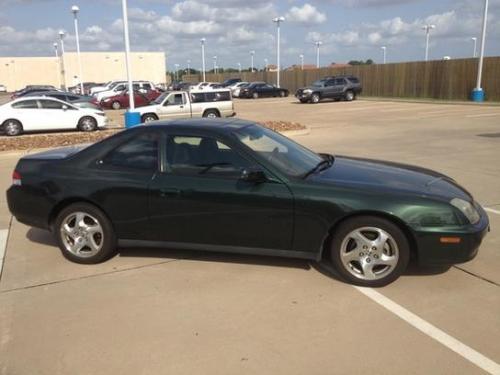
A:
27, 206
432, 252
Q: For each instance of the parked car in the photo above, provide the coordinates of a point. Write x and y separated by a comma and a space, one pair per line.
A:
179, 86
230, 82
262, 90
106, 87
122, 99
32, 88
3, 88
234, 186
236, 88
342, 87
44, 113
206, 86
87, 86
142, 86
186, 104
69, 97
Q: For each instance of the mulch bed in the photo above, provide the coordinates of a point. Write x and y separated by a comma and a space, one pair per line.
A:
35, 141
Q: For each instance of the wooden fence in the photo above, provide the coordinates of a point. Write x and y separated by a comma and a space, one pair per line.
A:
441, 79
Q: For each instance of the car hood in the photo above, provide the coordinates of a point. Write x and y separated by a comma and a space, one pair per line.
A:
391, 177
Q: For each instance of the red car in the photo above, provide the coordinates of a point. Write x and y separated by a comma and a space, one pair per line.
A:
121, 100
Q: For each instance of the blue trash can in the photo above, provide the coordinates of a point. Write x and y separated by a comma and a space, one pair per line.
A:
477, 95
132, 119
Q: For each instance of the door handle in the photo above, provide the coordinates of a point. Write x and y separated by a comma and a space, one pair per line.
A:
167, 192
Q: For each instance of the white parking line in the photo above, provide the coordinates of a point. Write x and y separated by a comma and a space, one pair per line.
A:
432, 331
4, 233
492, 210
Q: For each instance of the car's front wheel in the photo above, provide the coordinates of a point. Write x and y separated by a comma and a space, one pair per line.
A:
315, 98
148, 117
369, 251
87, 124
349, 96
84, 234
255, 95
116, 105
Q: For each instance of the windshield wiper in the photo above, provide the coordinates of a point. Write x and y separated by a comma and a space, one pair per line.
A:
322, 165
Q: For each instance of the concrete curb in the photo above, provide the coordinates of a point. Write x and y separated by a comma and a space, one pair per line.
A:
428, 101
295, 133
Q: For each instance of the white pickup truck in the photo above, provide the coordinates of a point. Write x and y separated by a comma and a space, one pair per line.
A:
187, 104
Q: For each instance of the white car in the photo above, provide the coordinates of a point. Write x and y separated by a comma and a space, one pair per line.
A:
235, 89
3, 88
142, 86
37, 113
206, 86
108, 86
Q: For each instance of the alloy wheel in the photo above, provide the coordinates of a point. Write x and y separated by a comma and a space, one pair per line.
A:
82, 234
369, 253
12, 128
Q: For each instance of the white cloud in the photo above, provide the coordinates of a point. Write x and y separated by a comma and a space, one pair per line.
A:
307, 14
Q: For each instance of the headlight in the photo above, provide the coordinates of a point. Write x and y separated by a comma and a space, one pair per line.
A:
467, 209
307, 91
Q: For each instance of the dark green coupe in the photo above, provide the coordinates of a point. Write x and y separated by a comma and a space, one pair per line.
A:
234, 186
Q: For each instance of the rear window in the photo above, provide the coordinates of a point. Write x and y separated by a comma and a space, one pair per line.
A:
213, 96
354, 79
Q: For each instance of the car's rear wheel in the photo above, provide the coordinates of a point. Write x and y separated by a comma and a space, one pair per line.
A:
87, 124
255, 95
303, 100
84, 234
315, 98
116, 105
349, 96
369, 251
211, 113
12, 127
148, 117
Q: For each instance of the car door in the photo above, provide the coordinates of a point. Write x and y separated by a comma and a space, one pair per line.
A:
329, 89
55, 114
27, 112
175, 106
200, 199
339, 87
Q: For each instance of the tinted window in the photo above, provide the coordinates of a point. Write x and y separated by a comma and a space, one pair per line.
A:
59, 96
138, 153
70, 97
51, 104
25, 104
120, 87
203, 156
339, 81
353, 79
146, 86
175, 99
198, 97
221, 96
330, 82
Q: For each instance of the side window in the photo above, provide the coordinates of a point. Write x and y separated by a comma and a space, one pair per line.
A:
136, 86
222, 96
51, 104
210, 97
32, 104
175, 99
60, 97
354, 80
140, 153
198, 97
71, 97
146, 86
203, 156
330, 82
120, 87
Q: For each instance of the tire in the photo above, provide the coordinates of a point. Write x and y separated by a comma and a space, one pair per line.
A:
303, 100
282, 94
349, 96
361, 260
315, 98
211, 113
87, 124
84, 234
116, 105
148, 117
255, 95
12, 127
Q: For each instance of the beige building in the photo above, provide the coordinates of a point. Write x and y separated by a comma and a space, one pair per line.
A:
17, 72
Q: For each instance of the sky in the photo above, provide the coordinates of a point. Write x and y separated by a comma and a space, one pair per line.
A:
349, 29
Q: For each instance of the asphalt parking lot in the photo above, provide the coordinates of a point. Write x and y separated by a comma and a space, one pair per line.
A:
178, 312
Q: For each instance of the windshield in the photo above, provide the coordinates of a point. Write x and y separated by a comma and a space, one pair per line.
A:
319, 83
161, 98
284, 154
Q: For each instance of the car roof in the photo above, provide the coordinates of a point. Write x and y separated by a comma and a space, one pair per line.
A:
219, 124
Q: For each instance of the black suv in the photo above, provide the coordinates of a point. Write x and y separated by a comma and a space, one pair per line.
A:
341, 87
230, 82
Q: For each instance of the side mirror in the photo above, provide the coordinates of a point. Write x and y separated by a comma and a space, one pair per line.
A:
65, 107
254, 175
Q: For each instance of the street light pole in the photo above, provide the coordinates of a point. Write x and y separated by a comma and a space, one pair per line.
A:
301, 61
266, 63
427, 29
63, 72
75, 10
384, 49
278, 21
127, 56
202, 40
176, 71
57, 64
478, 93
189, 67
239, 67
215, 64
474, 39
252, 53
318, 44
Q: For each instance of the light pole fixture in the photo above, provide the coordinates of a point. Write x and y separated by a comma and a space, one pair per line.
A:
75, 10
318, 44
474, 39
301, 61
215, 64
478, 93
128, 66
239, 67
427, 29
384, 50
278, 21
202, 41
252, 54
57, 64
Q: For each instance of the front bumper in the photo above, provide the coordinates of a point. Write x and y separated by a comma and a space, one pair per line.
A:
432, 252
303, 95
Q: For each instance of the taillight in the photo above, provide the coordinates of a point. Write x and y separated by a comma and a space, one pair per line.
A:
16, 178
